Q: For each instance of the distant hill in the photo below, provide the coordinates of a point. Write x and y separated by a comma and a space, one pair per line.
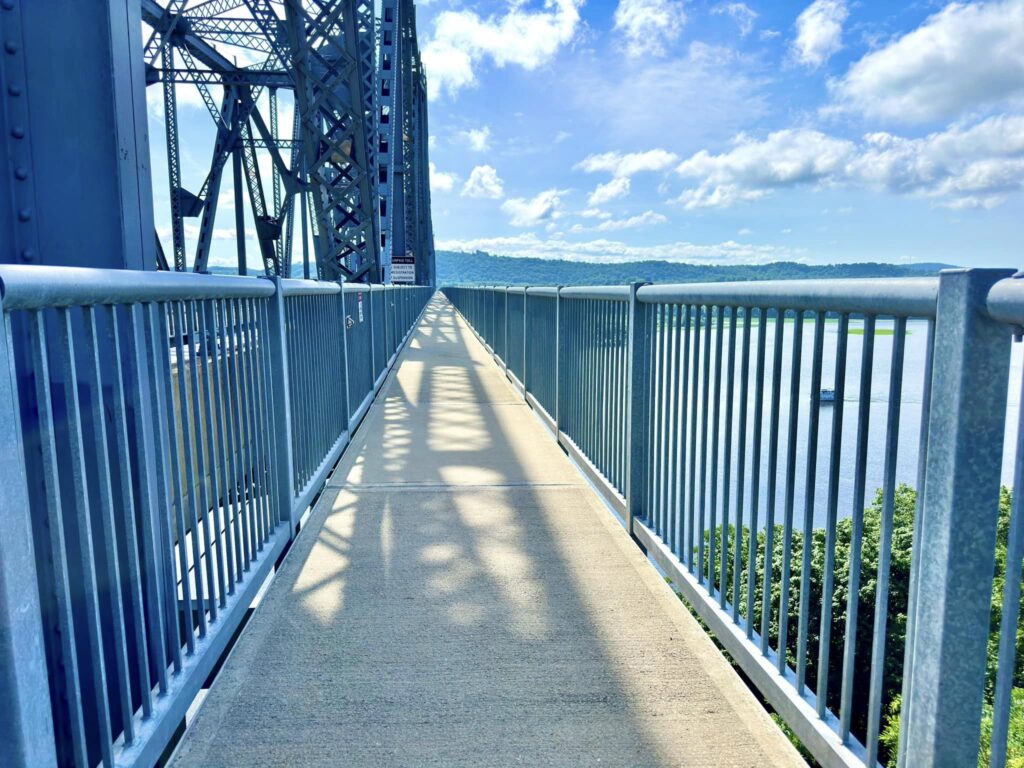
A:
455, 267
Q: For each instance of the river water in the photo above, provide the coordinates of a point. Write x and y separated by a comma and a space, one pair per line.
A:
909, 422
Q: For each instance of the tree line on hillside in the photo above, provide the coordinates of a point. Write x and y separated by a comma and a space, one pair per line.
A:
480, 268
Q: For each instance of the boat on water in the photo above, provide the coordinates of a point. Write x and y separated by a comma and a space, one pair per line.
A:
826, 396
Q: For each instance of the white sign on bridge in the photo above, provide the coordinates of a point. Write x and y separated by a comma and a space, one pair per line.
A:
403, 269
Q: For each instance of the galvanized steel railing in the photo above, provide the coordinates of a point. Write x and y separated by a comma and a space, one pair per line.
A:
727, 421
162, 434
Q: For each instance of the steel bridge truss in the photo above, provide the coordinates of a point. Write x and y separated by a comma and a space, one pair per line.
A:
333, 165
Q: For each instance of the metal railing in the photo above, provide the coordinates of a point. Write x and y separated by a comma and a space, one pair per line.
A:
162, 434
742, 429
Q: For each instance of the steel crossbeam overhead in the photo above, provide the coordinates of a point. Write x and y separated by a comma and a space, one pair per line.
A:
249, 61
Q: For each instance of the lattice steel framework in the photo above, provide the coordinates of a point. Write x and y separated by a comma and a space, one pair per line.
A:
333, 163
403, 167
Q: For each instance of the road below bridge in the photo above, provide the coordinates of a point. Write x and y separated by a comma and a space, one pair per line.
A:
460, 596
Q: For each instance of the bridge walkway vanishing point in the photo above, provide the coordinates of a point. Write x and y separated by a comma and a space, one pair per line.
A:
471, 601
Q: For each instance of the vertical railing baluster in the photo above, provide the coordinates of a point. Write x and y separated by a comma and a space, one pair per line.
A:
107, 529
730, 378
810, 488
773, 474
790, 490
834, 456
857, 537
878, 640
741, 456
26, 729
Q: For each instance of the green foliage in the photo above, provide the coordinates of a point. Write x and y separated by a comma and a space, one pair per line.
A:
890, 735
905, 499
479, 268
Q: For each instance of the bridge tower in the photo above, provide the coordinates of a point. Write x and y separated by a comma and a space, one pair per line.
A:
299, 115
332, 162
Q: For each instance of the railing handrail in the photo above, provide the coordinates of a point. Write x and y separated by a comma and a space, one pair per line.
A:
25, 286
898, 296
296, 287
1006, 300
600, 292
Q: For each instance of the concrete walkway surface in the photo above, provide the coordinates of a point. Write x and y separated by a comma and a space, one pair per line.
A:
461, 597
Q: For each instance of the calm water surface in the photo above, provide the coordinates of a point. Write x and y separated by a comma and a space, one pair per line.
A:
909, 422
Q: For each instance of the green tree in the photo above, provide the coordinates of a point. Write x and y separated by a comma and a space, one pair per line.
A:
905, 500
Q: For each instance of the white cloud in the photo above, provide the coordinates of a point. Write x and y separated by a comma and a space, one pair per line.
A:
462, 40
645, 219
744, 232
819, 32
603, 193
751, 169
484, 182
964, 166
562, 136
623, 165
961, 167
529, 245
963, 58
741, 13
478, 139
595, 213
441, 181
541, 209
649, 25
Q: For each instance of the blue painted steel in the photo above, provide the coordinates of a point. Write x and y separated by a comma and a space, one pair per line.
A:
76, 192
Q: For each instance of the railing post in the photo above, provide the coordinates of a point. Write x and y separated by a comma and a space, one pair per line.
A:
26, 727
955, 534
281, 389
559, 364
526, 341
504, 330
637, 396
344, 352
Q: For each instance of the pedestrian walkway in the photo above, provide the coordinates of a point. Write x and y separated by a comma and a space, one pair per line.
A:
461, 597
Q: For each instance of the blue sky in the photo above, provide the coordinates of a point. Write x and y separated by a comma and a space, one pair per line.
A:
726, 131
713, 132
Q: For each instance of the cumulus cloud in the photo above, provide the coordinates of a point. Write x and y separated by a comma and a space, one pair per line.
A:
477, 139
441, 181
529, 245
975, 166
603, 193
741, 13
819, 32
622, 165
751, 169
483, 182
649, 26
595, 213
962, 58
529, 212
640, 221
964, 166
462, 40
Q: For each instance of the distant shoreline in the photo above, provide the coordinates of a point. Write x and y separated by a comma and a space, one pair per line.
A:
480, 268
